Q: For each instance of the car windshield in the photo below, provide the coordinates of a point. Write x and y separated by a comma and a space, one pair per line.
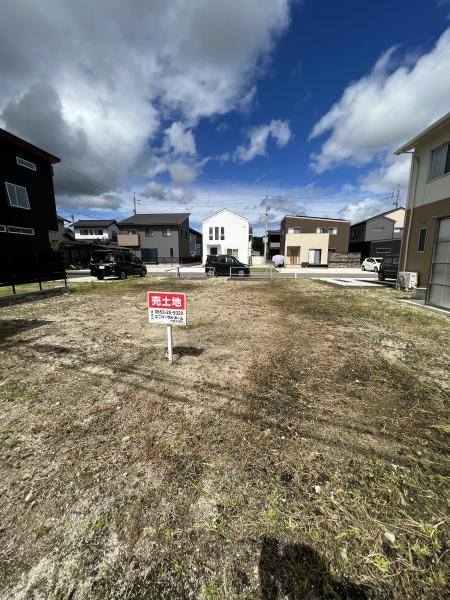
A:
101, 256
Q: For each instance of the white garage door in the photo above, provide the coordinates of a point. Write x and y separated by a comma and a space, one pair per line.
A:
440, 277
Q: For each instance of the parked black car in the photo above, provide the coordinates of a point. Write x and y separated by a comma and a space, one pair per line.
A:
222, 263
116, 263
388, 268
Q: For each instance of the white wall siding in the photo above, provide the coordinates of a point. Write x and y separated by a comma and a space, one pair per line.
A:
236, 235
107, 232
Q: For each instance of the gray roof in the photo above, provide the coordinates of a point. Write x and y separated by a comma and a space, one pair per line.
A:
385, 214
155, 219
94, 222
315, 218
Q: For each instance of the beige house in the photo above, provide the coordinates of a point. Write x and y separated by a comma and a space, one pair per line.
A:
426, 240
309, 248
313, 240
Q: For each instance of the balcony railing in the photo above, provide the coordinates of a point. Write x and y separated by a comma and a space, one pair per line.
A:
130, 240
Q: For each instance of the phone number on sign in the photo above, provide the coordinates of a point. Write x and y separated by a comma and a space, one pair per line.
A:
166, 312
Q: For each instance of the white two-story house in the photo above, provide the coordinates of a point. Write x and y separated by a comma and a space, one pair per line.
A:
96, 229
226, 232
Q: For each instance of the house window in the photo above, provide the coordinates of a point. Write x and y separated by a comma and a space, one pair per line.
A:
314, 256
222, 233
378, 229
114, 236
216, 233
332, 250
167, 232
422, 239
294, 230
21, 230
329, 230
211, 233
17, 195
149, 232
440, 161
25, 163
99, 232
129, 231
2, 228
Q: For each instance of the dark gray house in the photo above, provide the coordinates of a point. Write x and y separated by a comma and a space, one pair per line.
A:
195, 243
158, 237
379, 235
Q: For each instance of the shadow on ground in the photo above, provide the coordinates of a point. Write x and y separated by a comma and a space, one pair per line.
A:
298, 572
188, 351
11, 327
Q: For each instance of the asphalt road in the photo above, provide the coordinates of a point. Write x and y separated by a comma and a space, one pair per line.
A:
325, 274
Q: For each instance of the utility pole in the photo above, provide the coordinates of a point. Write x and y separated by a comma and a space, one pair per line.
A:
134, 202
266, 221
73, 220
396, 197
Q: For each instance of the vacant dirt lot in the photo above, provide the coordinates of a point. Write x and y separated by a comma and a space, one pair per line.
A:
295, 450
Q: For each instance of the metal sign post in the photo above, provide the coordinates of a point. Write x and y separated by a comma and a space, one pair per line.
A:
170, 344
166, 308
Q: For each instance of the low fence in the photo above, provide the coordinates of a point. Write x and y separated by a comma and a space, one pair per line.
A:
342, 259
171, 260
31, 267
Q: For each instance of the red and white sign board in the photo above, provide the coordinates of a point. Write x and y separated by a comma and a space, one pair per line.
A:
166, 308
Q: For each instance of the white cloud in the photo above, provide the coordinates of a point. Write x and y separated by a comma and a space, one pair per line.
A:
93, 85
392, 174
154, 190
385, 108
180, 140
182, 174
358, 211
259, 136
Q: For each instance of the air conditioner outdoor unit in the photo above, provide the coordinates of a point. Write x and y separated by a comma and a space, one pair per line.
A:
407, 280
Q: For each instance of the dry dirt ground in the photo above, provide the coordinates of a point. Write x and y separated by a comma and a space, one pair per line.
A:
296, 450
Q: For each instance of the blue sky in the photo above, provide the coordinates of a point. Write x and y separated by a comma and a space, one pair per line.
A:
200, 105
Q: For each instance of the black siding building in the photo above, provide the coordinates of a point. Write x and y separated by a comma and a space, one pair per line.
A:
27, 210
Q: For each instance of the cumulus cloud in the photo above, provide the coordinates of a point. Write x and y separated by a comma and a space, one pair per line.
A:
182, 174
107, 89
259, 137
385, 108
392, 174
358, 211
180, 140
154, 190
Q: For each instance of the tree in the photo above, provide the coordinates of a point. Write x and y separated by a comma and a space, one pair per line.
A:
258, 244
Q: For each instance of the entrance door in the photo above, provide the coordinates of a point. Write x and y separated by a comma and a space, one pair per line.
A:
314, 257
439, 289
149, 255
293, 255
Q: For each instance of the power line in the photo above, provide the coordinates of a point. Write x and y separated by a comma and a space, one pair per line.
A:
96, 184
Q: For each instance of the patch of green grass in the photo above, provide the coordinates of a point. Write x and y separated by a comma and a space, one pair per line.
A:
210, 591
263, 269
19, 393
24, 288
11, 442
99, 524
380, 562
